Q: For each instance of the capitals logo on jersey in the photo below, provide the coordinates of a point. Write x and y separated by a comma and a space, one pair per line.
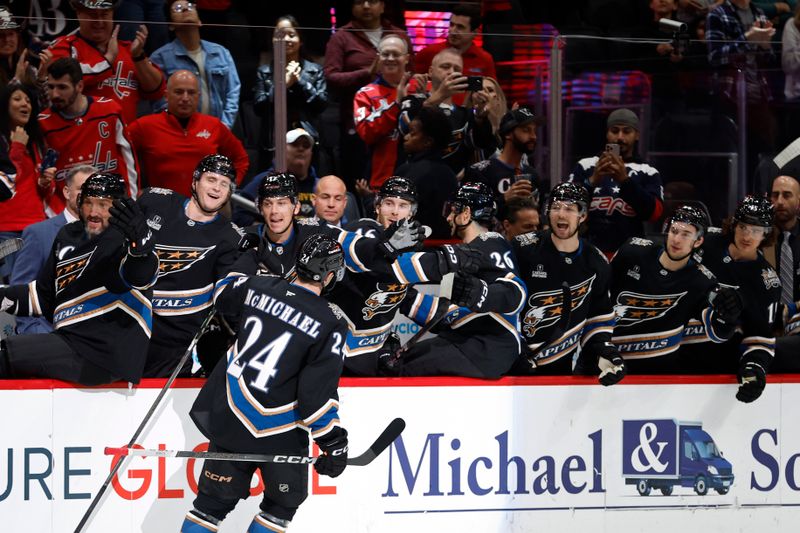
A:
173, 259
71, 269
384, 299
547, 306
633, 307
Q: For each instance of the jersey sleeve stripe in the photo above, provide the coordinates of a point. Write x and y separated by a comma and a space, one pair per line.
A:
709, 324
520, 285
598, 324
224, 282
34, 307
408, 268
348, 241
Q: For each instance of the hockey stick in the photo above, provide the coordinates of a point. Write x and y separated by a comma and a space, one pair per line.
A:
9, 246
145, 420
392, 431
445, 292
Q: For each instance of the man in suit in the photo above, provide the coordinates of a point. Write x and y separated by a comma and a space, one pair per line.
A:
38, 240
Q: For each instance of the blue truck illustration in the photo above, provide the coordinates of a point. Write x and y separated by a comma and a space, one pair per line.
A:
664, 453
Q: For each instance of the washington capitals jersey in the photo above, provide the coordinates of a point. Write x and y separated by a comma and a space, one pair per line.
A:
653, 305
97, 297
375, 111
193, 256
496, 321
618, 210
759, 287
591, 316
98, 137
279, 379
499, 177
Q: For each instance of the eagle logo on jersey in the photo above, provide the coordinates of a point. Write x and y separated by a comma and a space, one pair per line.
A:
173, 259
385, 298
633, 307
546, 306
71, 269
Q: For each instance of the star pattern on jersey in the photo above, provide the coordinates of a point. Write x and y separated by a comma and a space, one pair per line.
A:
179, 258
386, 298
547, 307
632, 307
71, 269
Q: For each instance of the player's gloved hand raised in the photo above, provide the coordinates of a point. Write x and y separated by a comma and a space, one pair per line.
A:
727, 304
469, 291
333, 459
611, 370
127, 217
752, 380
402, 236
461, 258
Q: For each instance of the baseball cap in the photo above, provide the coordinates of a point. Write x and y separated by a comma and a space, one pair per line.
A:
7, 22
293, 135
623, 117
518, 117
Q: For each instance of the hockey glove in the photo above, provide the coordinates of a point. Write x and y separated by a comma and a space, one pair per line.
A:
7, 305
400, 237
611, 370
752, 380
212, 345
127, 217
727, 304
333, 459
462, 258
469, 292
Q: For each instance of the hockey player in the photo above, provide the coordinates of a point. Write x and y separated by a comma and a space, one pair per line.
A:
478, 334
196, 248
735, 259
95, 291
278, 384
554, 333
656, 291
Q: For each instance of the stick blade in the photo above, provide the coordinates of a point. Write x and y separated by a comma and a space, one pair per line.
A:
384, 440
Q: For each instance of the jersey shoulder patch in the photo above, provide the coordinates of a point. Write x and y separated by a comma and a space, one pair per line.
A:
336, 310
528, 239
490, 235
706, 272
310, 221
239, 231
480, 165
714, 230
638, 241
160, 190
770, 278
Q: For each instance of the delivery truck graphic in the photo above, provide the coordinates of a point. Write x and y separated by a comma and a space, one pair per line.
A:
662, 454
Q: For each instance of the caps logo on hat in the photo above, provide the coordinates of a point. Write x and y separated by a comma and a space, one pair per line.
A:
517, 117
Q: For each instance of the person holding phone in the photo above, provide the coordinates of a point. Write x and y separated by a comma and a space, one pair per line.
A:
625, 191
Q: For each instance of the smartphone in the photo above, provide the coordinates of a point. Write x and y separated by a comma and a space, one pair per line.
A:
474, 83
49, 159
34, 60
613, 148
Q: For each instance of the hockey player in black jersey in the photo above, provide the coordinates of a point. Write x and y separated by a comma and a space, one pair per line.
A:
95, 289
656, 290
478, 334
278, 384
196, 247
553, 333
734, 257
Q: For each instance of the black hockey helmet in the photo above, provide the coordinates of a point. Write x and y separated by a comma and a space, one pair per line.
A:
276, 186
398, 187
571, 193
102, 185
689, 214
218, 164
319, 255
756, 211
478, 197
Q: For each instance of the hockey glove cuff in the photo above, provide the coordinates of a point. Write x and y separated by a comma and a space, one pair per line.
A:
752, 380
333, 459
462, 258
400, 237
128, 218
611, 370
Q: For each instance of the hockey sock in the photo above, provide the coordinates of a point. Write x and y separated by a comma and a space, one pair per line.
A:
266, 523
199, 522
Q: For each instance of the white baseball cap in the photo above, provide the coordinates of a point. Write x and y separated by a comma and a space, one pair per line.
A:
293, 135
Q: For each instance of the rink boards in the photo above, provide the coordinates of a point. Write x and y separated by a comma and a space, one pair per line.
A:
515, 455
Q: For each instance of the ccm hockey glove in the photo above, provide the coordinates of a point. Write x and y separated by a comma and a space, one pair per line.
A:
727, 304
461, 258
469, 292
612, 370
127, 217
400, 237
333, 459
752, 380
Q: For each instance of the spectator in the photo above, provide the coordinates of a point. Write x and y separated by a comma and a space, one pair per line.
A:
376, 108
508, 174
520, 215
464, 23
169, 144
13, 64
306, 91
21, 150
784, 255
625, 192
790, 57
471, 129
332, 202
210, 62
427, 137
351, 62
498, 105
84, 130
38, 241
117, 70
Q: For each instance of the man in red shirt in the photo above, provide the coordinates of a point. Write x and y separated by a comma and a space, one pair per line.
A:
169, 144
464, 23
117, 70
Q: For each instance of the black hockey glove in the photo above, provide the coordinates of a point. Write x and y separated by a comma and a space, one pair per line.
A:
212, 345
469, 292
727, 304
401, 236
462, 258
611, 370
333, 459
7, 305
127, 217
752, 380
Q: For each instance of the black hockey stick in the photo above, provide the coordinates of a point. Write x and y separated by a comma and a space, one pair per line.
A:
392, 431
145, 420
9, 246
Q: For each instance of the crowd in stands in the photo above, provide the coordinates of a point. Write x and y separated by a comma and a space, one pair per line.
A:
105, 99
